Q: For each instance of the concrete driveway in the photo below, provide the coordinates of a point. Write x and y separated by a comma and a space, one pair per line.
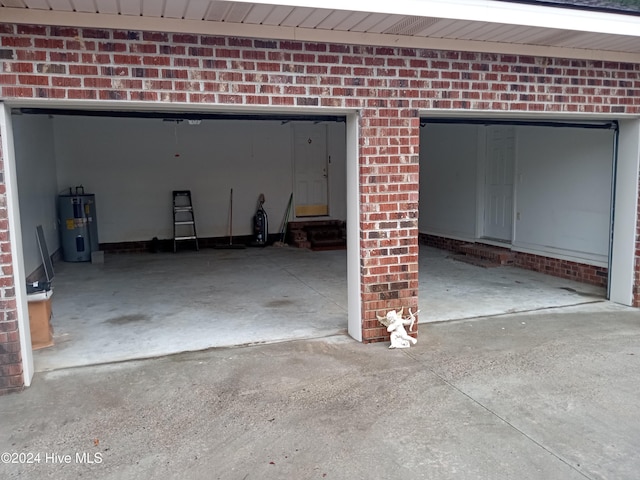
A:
546, 395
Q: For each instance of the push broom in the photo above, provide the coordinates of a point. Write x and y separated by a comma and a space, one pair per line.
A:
230, 244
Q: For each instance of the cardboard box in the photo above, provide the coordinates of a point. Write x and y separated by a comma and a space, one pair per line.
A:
40, 319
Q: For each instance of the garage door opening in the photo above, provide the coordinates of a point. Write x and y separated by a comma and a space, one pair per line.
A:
514, 215
145, 300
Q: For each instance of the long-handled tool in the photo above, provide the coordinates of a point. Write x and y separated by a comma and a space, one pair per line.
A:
231, 244
285, 223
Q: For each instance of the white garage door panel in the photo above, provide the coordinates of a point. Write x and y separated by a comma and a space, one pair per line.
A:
564, 189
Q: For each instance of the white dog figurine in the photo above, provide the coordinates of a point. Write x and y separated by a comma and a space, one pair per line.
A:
395, 326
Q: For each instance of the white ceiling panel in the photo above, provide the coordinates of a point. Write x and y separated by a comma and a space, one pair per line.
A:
351, 20
174, 8
153, 8
448, 30
466, 20
469, 31
486, 29
217, 11
36, 4
334, 19
605, 43
196, 9
61, 5
630, 45
432, 29
580, 38
536, 36
499, 34
258, 14
316, 16
237, 12
86, 6
109, 7
522, 34
418, 25
277, 15
297, 16
387, 22
131, 7
617, 44
558, 38
366, 23
13, 3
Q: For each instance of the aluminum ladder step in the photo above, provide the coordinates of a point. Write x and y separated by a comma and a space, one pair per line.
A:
183, 219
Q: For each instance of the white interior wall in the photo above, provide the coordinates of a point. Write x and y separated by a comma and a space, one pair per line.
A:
37, 187
133, 164
448, 163
562, 192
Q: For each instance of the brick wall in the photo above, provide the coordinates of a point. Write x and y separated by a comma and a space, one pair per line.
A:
580, 272
389, 176
389, 86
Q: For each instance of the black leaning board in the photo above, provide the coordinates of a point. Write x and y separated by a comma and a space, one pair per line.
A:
44, 254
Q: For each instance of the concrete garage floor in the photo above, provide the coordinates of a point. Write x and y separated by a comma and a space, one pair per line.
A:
146, 305
453, 290
551, 394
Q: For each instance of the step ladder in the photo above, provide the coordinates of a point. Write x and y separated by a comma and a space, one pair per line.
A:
184, 223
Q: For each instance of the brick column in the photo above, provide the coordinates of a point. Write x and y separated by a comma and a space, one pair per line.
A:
389, 171
11, 378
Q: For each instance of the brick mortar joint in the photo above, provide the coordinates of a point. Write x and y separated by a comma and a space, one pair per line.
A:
394, 52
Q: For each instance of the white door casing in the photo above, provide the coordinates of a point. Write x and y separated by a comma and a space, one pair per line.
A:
310, 169
13, 213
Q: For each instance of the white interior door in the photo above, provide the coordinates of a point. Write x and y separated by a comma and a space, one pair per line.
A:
498, 185
310, 170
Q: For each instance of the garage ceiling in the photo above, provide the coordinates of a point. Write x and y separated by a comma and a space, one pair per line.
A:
478, 21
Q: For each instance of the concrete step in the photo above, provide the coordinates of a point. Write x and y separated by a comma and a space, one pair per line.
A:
478, 262
501, 256
317, 234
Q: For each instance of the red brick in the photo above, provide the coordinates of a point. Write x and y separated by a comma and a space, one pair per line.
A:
16, 42
227, 53
282, 101
185, 38
17, 92
218, 41
172, 50
51, 93
144, 96
28, 56
81, 94
148, 48
93, 58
